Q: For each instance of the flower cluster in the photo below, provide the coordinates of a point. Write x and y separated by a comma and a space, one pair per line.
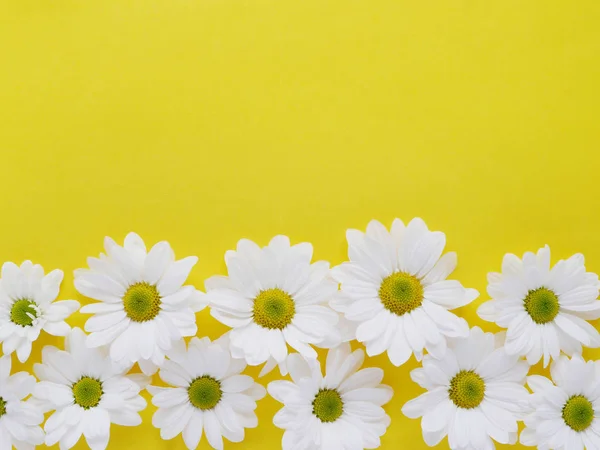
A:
393, 296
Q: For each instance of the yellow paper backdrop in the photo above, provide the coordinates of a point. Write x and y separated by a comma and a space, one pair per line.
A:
205, 121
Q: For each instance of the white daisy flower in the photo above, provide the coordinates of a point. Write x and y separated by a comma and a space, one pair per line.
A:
87, 392
209, 394
475, 394
341, 410
544, 309
565, 414
394, 287
19, 420
274, 296
27, 306
144, 307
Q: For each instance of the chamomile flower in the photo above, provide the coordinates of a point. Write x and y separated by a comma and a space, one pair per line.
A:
19, 421
475, 394
274, 296
394, 287
544, 309
565, 414
341, 410
209, 395
27, 307
143, 306
87, 392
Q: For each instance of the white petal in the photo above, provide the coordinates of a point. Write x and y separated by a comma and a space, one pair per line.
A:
212, 429
417, 407
192, 433
158, 260
176, 275
136, 247
237, 383
442, 269
101, 322
24, 350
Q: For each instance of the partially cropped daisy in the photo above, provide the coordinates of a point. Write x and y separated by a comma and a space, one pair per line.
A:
272, 297
475, 394
394, 287
544, 309
27, 307
565, 414
19, 421
144, 306
208, 395
341, 410
87, 392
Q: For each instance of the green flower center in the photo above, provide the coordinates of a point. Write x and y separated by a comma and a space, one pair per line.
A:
23, 312
578, 413
205, 392
401, 293
141, 302
328, 405
466, 389
87, 392
542, 305
274, 309
2, 407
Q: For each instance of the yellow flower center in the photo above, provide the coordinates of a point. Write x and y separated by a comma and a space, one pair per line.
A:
23, 312
542, 305
87, 392
467, 389
328, 405
205, 392
141, 302
578, 413
274, 309
401, 293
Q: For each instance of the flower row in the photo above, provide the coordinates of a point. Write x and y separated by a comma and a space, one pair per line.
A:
392, 295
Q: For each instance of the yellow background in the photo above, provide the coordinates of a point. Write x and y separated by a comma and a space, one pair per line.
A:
204, 121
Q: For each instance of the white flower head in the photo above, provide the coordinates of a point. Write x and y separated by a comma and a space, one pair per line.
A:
209, 395
544, 309
19, 420
394, 287
341, 410
272, 297
27, 307
475, 394
87, 392
144, 307
565, 414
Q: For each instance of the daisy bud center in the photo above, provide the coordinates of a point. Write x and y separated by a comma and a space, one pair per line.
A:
24, 312
141, 302
274, 309
328, 405
2, 407
542, 305
205, 392
578, 413
466, 389
401, 293
87, 392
